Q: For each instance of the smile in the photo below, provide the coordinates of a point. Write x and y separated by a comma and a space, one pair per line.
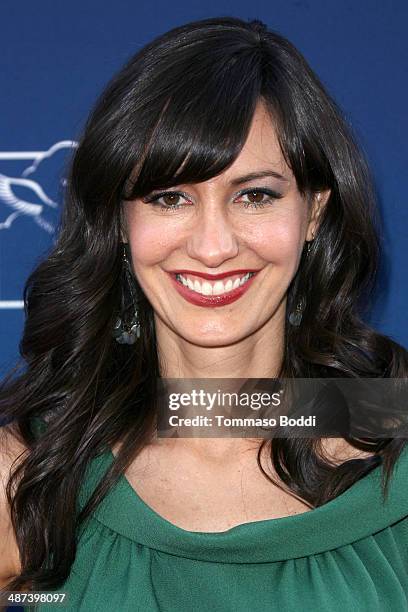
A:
206, 292
215, 288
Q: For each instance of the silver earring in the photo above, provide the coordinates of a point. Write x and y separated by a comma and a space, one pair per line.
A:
310, 242
295, 317
127, 333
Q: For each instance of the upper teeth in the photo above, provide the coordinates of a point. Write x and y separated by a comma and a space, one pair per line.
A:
217, 288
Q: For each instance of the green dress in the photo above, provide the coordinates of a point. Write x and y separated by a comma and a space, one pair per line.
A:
351, 554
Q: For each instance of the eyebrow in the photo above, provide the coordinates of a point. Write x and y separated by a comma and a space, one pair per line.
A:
255, 175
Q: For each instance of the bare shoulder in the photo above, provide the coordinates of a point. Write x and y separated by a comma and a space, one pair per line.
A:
12, 450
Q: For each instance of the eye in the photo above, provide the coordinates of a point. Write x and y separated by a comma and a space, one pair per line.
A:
257, 198
170, 200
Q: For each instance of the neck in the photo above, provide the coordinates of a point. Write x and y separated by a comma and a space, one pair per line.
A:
259, 355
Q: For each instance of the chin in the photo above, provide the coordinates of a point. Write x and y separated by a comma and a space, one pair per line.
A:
213, 338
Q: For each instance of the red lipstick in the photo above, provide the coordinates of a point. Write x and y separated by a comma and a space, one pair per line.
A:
211, 300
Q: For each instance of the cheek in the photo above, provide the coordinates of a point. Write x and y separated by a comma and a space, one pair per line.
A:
150, 241
278, 241
150, 246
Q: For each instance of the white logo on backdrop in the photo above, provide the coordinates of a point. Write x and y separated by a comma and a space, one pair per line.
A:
27, 194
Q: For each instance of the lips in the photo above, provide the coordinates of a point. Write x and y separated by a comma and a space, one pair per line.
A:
198, 294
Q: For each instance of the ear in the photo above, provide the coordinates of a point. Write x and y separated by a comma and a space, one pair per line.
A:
319, 201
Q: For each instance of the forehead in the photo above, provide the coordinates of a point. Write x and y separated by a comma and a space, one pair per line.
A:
260, 151
211, 156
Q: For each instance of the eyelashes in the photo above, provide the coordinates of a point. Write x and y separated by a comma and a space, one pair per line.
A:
154, 199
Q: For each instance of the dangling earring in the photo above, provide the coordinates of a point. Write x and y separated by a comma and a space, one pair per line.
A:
310, 242
295, 316
122, 332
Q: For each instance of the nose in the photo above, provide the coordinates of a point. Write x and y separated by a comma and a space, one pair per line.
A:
212, 240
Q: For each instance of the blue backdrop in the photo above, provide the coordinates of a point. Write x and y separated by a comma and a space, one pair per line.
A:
56, 57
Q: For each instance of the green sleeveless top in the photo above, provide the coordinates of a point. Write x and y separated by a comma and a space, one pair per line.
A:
349, 554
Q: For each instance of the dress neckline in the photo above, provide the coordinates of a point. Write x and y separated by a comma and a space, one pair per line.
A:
357, 513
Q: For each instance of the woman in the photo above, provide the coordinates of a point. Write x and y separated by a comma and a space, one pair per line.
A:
215, 151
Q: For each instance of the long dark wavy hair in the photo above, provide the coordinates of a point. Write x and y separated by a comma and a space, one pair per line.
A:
179, 112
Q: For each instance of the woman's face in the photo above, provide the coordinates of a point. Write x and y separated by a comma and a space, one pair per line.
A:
214, 228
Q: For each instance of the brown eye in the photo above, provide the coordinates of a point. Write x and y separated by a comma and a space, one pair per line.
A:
255, 196
259, 198
170, 199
